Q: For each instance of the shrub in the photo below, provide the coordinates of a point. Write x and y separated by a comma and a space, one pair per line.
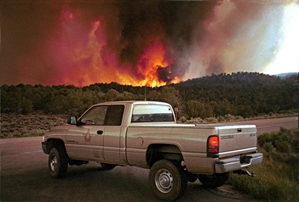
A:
281, 146
277, 178
268, 146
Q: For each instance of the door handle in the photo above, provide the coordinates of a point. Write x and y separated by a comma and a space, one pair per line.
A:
99, 132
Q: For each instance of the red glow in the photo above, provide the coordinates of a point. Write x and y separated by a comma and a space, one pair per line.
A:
84, 58
67, 15
149, 43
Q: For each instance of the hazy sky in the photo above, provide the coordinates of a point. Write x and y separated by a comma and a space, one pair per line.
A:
144, 42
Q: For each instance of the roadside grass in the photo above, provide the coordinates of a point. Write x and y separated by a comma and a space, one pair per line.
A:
34, 124
32, 133
232, 118
37, 123
277, 178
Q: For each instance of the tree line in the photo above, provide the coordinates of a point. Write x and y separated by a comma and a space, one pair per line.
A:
240, 94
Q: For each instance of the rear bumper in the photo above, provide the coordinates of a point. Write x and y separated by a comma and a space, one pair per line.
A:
234, 163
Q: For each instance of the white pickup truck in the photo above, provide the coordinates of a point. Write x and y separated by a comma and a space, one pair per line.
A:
145, 134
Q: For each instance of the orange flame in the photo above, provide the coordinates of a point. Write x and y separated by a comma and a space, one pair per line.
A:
90, 62
148, 64
152, 59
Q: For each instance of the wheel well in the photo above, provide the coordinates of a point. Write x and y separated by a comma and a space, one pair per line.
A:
54, 143
157, 152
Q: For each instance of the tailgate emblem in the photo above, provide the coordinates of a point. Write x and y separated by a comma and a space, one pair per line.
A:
227, 137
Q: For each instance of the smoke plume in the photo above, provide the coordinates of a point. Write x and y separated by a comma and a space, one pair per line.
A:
134, 42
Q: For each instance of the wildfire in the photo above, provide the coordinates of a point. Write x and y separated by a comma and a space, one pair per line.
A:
89, 61
146, 43
150, 63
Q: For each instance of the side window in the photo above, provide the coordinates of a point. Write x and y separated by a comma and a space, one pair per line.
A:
114, 115
95, 116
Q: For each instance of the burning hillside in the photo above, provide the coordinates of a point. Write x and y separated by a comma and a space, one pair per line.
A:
138, 43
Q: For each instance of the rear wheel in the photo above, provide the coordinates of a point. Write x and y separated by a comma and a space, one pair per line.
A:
57, 162
168, 180
213, 181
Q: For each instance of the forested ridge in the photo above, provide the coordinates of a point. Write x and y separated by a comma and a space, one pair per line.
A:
240, 94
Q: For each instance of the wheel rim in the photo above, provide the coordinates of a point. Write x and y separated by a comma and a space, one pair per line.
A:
164, 181
53, 163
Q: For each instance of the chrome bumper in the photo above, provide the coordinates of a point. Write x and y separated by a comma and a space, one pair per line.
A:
234, 163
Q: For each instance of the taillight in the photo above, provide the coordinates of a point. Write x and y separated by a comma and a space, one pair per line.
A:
213, 144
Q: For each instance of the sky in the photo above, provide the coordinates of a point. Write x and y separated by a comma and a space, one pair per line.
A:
153, 43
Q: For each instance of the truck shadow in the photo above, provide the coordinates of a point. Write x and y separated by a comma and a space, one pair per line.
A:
133, 181
92, 183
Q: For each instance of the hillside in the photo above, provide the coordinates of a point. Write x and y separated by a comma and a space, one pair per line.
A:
240, 94
234, 79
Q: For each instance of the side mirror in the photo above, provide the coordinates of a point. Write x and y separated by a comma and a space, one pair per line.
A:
72, 120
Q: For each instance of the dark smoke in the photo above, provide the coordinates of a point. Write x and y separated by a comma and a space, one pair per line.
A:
165, 73
39, 46
172, 21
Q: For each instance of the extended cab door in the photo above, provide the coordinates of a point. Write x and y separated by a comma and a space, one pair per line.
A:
113, 123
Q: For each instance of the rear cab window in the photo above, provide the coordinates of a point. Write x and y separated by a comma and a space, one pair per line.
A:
152, 113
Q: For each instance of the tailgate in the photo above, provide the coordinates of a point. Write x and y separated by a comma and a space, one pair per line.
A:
237, 139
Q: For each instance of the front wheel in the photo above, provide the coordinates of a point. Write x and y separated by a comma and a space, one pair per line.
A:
168, 180
213, 181
57, 162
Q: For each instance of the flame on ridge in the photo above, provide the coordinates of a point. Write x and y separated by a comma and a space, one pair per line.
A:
89, 61
150, 62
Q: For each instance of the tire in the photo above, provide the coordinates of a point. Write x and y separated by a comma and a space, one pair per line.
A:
213, 181
168, 180
106, 166
58, 162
